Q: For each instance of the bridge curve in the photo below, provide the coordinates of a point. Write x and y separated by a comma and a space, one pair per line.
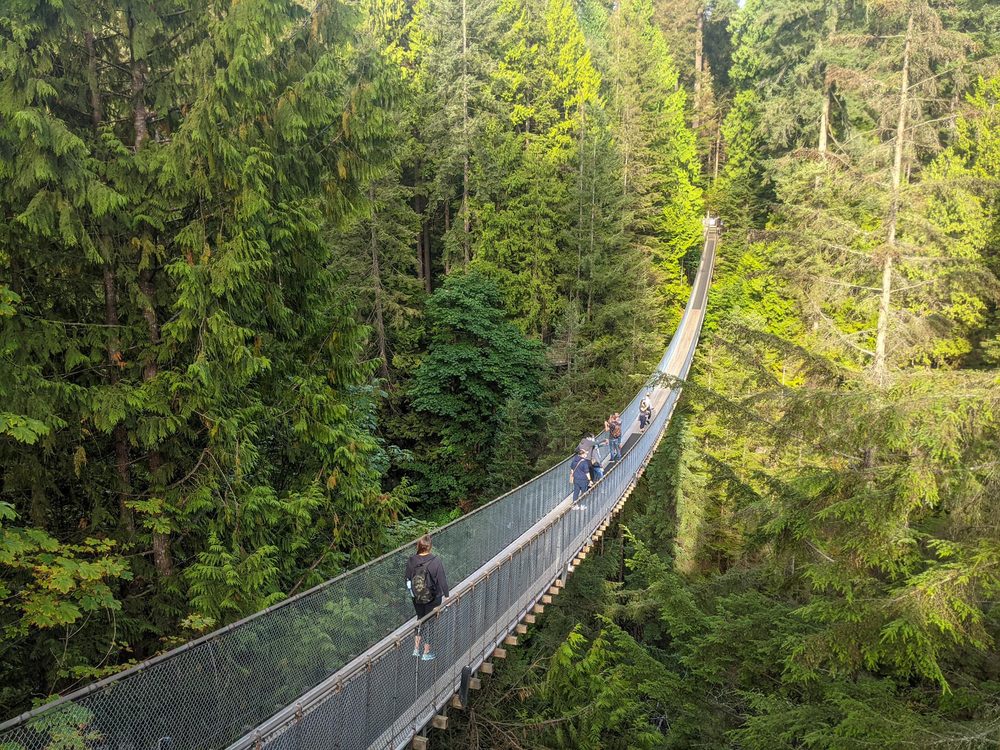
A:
333, 666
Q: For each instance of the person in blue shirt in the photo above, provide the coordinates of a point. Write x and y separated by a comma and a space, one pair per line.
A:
579, 475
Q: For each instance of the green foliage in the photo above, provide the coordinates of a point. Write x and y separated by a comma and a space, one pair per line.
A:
662, 206
812, 557
480, 377
184, 380
616, 681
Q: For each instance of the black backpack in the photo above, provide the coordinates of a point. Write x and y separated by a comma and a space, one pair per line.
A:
423, 591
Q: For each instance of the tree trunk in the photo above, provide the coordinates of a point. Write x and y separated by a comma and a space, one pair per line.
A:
138, 88
428, 268
379, 301
417, 204
824, 123
119, 435
115, 362
161, 540
699, 66
718, 151
593, 220
447, 229
880, 367
579, 232
466, 224
824, 120
96, 106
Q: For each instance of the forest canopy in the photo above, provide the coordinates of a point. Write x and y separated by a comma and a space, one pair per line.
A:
284, 284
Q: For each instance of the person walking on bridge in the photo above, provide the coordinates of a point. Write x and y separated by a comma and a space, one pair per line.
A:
579, 476
428, 585
592, 448
645, 411
614, 428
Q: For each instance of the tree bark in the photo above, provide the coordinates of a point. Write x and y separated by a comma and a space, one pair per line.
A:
119, 435
466, 224
699, 66
417, 204
579, 233
824, 123
428, 268
379, 296
718, 151
161, 540
137, 67
593, 220
447, 229
96, 106
880, 366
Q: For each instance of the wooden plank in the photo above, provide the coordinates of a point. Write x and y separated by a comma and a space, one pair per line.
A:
499, 653
530, 619
456, 702
553, 591
546, 599
487, 667
440, 722
538, 609
510, 640
475, 683
561, 583
420, 743
520, 629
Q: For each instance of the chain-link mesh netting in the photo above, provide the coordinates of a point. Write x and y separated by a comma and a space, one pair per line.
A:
283, 669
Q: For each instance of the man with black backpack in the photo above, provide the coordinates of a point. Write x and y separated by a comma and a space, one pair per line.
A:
428, 585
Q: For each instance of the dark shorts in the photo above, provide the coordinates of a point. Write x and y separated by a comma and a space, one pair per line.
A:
423, 610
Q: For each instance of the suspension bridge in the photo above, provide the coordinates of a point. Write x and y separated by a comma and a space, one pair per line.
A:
333, 667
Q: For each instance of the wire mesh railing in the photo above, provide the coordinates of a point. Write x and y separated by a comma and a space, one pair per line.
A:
333, 667
476, 619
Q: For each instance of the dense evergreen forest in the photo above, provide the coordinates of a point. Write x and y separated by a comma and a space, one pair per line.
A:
813, 558
284, 284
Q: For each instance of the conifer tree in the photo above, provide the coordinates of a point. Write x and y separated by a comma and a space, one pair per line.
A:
480, 373
454, 44
659, 160
547, 85
174, 340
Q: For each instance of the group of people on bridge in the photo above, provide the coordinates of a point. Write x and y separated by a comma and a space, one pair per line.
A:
587, 466
426, 580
